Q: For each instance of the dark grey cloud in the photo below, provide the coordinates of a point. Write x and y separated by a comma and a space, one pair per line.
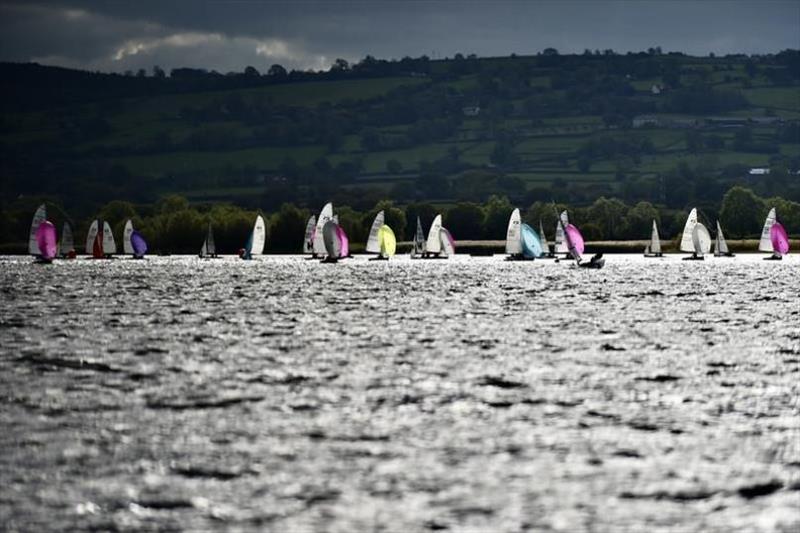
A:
228, 35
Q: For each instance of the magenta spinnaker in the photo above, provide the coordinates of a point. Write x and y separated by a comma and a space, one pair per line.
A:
344, 242
779, 238
46, 239
575, 238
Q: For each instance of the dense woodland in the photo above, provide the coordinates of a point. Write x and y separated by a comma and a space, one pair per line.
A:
620, 138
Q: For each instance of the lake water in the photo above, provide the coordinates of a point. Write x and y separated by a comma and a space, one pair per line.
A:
470, 394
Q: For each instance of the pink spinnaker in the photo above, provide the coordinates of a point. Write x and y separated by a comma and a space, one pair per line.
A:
779, 238
46, 239
575, 238
344, 242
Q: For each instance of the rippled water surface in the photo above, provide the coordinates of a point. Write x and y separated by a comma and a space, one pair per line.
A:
470, 394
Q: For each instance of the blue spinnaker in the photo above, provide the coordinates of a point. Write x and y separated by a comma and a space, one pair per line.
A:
531, 245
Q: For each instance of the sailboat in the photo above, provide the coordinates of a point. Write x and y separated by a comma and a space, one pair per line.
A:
100, 245
418, 248
255, 243
522, 242
46, 242
381, 239
337, 245
654, 248
576, 246
695, 238
308, 242
439, 244
38, 217
720, 246
66, 247
561, 246
209, 249
773, 238
545, 245
133, 242
317, 239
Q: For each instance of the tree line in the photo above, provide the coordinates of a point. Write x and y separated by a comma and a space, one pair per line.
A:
174, 225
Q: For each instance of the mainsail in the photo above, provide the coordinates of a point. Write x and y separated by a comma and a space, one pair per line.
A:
419, 239
513, 235
90, 238
543, 238
655, 240
46, 240
765, 244
448, 244
701, 239
721, 247
127, 248
373, 241
38, 217
561, 246
208, 249
434, 243
259, 237
67, 245
308, 242
109, 246
687, 242
330, 235
325, 216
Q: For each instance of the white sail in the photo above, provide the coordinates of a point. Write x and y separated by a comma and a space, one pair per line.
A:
318, 248
67, 243
419, 239
701, 239
90, 237
765, 244
127, 247
373, 242
721, 247
543, 238
109, 246
211, 248
687, 242
335, 218
38, 217
308, 245
434, 243
259, 236
655, 241
562, 247
513, 235
447, 242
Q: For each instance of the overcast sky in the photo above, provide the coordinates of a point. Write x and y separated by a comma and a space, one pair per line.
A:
227, 35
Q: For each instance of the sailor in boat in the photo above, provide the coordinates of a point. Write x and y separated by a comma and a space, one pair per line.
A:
596, 261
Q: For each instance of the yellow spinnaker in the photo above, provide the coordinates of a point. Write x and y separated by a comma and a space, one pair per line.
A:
387, 240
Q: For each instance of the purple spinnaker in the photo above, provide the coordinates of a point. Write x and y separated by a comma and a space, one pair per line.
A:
344, 242
46, 240
138, 243
779, 238
575, 238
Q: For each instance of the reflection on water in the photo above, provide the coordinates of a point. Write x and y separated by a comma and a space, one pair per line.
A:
469, 394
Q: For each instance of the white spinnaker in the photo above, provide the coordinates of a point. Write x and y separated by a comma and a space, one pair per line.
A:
722, 246
687, 242
373, 242
67, 241
701, 239
655, 241
90, 237
127, 247
310, 225
447, 242
562, 247
765, 244
109, 246
319, 242
434, 243
513, 235
259, 236
38, 217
